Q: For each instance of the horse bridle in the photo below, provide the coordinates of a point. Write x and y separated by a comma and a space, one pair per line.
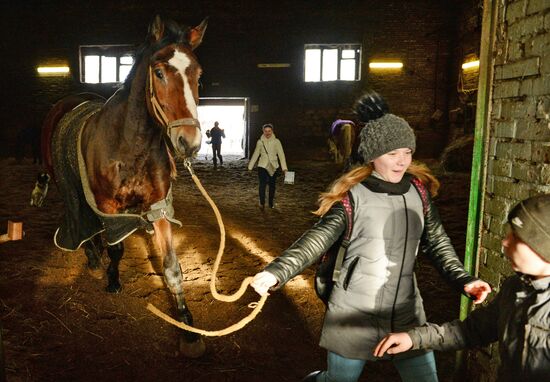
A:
162, 119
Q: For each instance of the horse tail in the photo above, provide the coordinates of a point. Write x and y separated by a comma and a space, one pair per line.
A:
347, 141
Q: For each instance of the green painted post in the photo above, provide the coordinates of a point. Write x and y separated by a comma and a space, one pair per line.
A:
478, 174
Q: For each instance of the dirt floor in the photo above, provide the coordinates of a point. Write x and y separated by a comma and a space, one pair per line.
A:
59, 323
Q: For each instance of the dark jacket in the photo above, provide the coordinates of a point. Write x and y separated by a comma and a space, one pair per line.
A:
372, 292
518, 318
216, 135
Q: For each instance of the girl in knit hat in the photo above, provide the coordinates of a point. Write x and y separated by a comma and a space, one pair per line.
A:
519, 315
376, 291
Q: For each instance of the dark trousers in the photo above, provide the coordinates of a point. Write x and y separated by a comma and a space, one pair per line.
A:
216, 151
266, 179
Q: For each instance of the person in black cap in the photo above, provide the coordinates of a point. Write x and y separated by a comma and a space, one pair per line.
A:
393, 216
519, 315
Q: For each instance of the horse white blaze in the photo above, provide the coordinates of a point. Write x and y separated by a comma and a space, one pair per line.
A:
181, 62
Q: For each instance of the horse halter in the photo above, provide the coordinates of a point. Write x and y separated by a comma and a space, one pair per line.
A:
162, 119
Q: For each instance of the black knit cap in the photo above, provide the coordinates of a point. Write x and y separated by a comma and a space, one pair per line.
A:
530, 221
383, 132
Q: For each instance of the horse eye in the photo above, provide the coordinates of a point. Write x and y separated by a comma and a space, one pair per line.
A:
159, 74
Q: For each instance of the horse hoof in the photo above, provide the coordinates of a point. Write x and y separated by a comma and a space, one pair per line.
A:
192, 349
97, 273
117, 288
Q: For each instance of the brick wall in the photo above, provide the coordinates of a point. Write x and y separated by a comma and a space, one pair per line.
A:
519, 149
240, 35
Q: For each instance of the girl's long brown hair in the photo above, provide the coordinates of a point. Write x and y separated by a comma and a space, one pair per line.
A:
343, 184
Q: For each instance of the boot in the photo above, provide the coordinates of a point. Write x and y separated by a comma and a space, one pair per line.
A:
312, 377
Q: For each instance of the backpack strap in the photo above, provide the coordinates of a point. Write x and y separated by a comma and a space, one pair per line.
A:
423, 192
345, 239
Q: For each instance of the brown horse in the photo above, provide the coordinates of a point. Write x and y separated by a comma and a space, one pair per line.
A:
114, 161
341, 140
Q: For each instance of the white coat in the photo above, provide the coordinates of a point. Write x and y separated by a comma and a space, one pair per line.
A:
267, 151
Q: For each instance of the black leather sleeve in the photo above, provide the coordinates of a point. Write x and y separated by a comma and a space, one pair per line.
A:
310, 246
437, 246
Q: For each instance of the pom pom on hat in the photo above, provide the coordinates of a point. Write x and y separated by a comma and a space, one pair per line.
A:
383, 132
370, 106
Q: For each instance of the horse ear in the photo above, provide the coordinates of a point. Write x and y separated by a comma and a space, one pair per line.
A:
196, 34
156, 29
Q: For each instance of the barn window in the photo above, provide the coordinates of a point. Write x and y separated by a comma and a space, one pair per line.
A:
332, 62
105, 63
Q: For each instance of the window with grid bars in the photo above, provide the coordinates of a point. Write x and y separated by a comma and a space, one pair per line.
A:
105, 63
332, 62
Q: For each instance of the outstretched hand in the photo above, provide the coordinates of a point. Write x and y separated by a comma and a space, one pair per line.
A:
262, 282
393, 343
478, 289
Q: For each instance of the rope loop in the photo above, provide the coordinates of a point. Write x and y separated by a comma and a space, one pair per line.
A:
255, 306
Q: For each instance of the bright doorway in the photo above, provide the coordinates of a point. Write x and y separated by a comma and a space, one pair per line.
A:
231, 114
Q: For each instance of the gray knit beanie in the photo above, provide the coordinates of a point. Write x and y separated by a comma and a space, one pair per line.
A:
530, 221
383, 132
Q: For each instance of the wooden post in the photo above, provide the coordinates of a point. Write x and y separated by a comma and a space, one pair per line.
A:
15, 232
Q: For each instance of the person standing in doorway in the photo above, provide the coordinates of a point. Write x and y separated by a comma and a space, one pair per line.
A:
268, 153
216, 134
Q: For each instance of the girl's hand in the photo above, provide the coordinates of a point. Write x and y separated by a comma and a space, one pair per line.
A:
393, 343
478, 289
262, 282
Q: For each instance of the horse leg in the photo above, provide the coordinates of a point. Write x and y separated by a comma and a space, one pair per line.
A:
115, 254
93, 249
191, 344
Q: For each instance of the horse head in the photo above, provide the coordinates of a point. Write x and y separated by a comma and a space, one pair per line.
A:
172, 84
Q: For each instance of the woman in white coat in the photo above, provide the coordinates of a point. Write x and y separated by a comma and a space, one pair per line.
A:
268, 153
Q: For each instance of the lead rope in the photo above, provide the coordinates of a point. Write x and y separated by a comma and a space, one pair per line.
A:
256, 306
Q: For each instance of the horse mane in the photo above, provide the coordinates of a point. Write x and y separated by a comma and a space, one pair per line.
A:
140, 53
173, 34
